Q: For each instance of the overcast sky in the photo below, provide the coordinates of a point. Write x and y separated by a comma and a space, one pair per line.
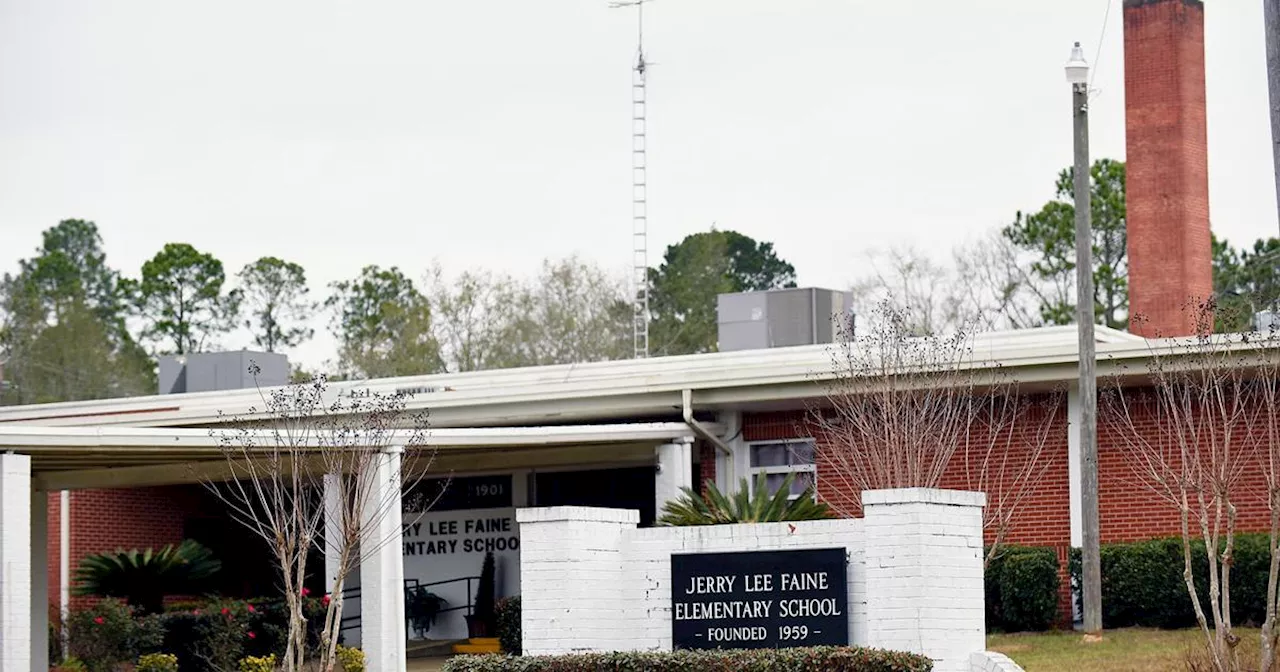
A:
496, 133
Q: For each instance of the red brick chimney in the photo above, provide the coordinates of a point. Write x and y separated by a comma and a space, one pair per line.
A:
1167, 188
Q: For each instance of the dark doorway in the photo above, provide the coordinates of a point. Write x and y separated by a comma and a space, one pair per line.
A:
249, 568
630, 488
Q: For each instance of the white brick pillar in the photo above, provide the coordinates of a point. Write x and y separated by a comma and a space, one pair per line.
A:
571, 576
332, 529
15, 563
924, 573
382, 624
674, 471
39, 581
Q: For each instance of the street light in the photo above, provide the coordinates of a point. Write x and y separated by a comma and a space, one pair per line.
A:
1077, 70
1077, 67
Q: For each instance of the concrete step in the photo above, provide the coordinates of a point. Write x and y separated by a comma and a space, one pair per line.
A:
478, 645
430, 648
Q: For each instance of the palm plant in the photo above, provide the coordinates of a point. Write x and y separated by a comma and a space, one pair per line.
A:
747, 506
144, 578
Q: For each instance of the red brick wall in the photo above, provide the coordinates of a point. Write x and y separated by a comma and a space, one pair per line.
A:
1043, 518
707, 465
106, 520
1130, 510
1167, 188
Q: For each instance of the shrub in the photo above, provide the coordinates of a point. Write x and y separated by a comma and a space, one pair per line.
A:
212, 636
71, 664
107, 634
1021, 585
157, 662
265, 663
206, 637
144, 578
352, 659
509, 633
1143, 585
827, 659
757, 507
483, 611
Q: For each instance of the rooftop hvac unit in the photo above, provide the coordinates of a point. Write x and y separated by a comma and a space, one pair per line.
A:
779, 318
209, 371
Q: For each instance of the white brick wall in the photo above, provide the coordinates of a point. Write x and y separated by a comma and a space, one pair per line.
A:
15, 562
924, 573
591, 581
570, 575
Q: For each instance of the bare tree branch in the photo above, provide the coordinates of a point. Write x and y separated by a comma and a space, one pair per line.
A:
1202, 416
277, 493
908, 410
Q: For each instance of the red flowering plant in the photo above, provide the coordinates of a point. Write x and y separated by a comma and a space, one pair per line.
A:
108, 634
223, 634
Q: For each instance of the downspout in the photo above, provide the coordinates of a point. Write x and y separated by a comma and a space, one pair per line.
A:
686, 398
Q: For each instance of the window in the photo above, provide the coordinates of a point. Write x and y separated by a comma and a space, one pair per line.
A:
777, 459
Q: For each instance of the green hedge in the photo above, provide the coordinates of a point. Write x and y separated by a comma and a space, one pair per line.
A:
1143, 585
209, 637
509, 633
1021, 585
826, 659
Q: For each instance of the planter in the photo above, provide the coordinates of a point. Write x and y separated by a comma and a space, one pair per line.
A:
478, 627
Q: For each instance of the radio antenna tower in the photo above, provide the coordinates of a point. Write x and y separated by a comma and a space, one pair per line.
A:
639, 184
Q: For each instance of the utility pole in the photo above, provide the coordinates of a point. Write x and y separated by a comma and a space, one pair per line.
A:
1271, 21
1078, 76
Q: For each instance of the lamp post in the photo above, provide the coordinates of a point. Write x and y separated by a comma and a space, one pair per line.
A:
1078, 76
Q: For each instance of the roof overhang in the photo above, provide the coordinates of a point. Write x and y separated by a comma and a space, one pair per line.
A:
78, 457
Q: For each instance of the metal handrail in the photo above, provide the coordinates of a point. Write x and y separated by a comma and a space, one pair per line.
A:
351, 622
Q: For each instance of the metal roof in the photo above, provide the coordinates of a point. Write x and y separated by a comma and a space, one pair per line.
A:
633, 389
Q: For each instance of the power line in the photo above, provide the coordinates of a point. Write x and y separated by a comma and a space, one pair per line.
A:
1097, 54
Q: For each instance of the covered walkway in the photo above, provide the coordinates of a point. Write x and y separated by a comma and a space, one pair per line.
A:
37, 461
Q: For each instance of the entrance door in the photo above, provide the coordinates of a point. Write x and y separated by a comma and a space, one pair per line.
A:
629, 488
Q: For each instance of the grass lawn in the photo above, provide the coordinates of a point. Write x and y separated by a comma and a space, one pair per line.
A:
1125, 650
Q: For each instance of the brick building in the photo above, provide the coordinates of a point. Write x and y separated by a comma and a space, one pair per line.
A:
628, 434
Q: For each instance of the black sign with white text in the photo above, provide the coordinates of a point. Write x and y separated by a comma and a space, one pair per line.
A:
759, 599
457, 494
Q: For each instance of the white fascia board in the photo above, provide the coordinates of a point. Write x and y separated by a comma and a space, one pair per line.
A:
33, 439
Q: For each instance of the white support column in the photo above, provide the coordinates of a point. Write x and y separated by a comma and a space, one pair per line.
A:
15, 562
332, 529
728, 473
1074, 485
382, 569
675, 471
39, 581
64, 563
